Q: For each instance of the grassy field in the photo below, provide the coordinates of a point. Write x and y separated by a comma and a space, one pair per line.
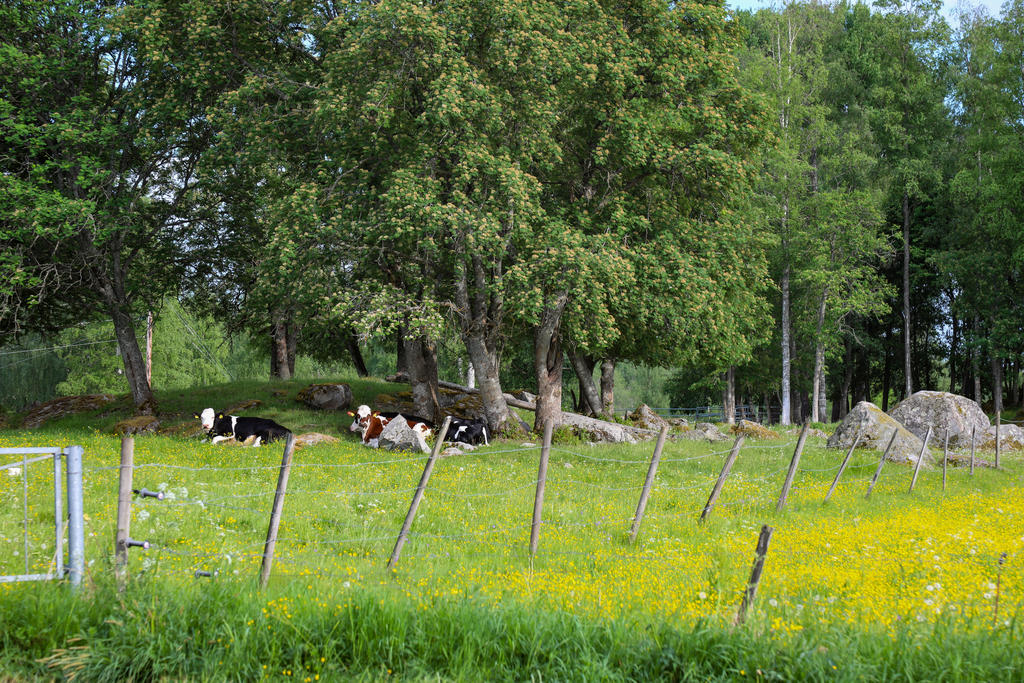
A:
901, 586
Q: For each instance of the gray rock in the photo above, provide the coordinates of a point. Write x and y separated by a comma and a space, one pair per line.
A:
710, 431
944, 413
645, 418
399, 436
601, 431
876, 429
326, 396
1011, 438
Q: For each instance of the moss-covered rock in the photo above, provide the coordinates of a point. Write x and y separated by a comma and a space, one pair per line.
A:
946, 413
754, 430
143, 424
332, 396
876, 430
247, 404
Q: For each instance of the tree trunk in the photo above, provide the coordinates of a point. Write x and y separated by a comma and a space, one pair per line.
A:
954, 345
357, 356
785, 418
149, 349
134, 364
291, 332
608, 388
729, 395
279, 366
488, 379
975, 364
590, 398
479, 309
847, 380
818, 381
421, 359
111, 286
547, 362
908, 383
401, 363
997, 384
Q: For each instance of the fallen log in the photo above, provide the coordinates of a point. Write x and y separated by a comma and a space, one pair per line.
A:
509, 398
600, 430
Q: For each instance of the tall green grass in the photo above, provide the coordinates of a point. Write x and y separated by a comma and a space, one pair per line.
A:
468, 603
222, 631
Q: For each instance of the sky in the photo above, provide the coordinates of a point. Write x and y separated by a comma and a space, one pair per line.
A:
949, 6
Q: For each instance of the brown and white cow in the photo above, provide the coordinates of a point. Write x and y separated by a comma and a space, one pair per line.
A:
372, 423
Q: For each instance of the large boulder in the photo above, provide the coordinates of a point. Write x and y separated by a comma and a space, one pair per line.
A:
399, 436
1011, 438
326, 396
142, 424
876, 429
945, 413
602, 431
645, 418
709, 431
754, 430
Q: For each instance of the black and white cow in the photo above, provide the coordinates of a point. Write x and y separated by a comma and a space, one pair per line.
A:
223, 427
467, 431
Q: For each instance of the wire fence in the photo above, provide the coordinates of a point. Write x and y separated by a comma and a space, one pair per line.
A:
341, 519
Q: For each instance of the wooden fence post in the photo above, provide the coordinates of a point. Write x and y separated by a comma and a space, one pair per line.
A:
945, 458
998, 424
730, 459
973, 430
542, 477
842, 467
418, 496
793, 464
275, 511
920, 458
755, 574
124, 512
651, 471
881, 462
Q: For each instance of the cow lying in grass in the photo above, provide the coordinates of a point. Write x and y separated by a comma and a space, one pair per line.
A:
372, 423
223, 427
467, 431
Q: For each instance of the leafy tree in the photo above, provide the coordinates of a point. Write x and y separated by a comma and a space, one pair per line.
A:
902, 50
643, 202
99, 142
988, 187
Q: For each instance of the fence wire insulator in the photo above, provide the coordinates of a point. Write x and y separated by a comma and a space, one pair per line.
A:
146, 493
132, 543
202, 572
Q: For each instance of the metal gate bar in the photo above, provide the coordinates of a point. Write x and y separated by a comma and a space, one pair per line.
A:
76, 538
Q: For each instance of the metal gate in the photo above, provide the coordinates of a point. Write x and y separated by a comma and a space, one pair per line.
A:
74, 568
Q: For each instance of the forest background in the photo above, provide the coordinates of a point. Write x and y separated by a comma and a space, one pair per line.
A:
799, 207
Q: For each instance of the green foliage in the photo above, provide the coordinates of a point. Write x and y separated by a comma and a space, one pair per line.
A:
139, 635
29, 373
